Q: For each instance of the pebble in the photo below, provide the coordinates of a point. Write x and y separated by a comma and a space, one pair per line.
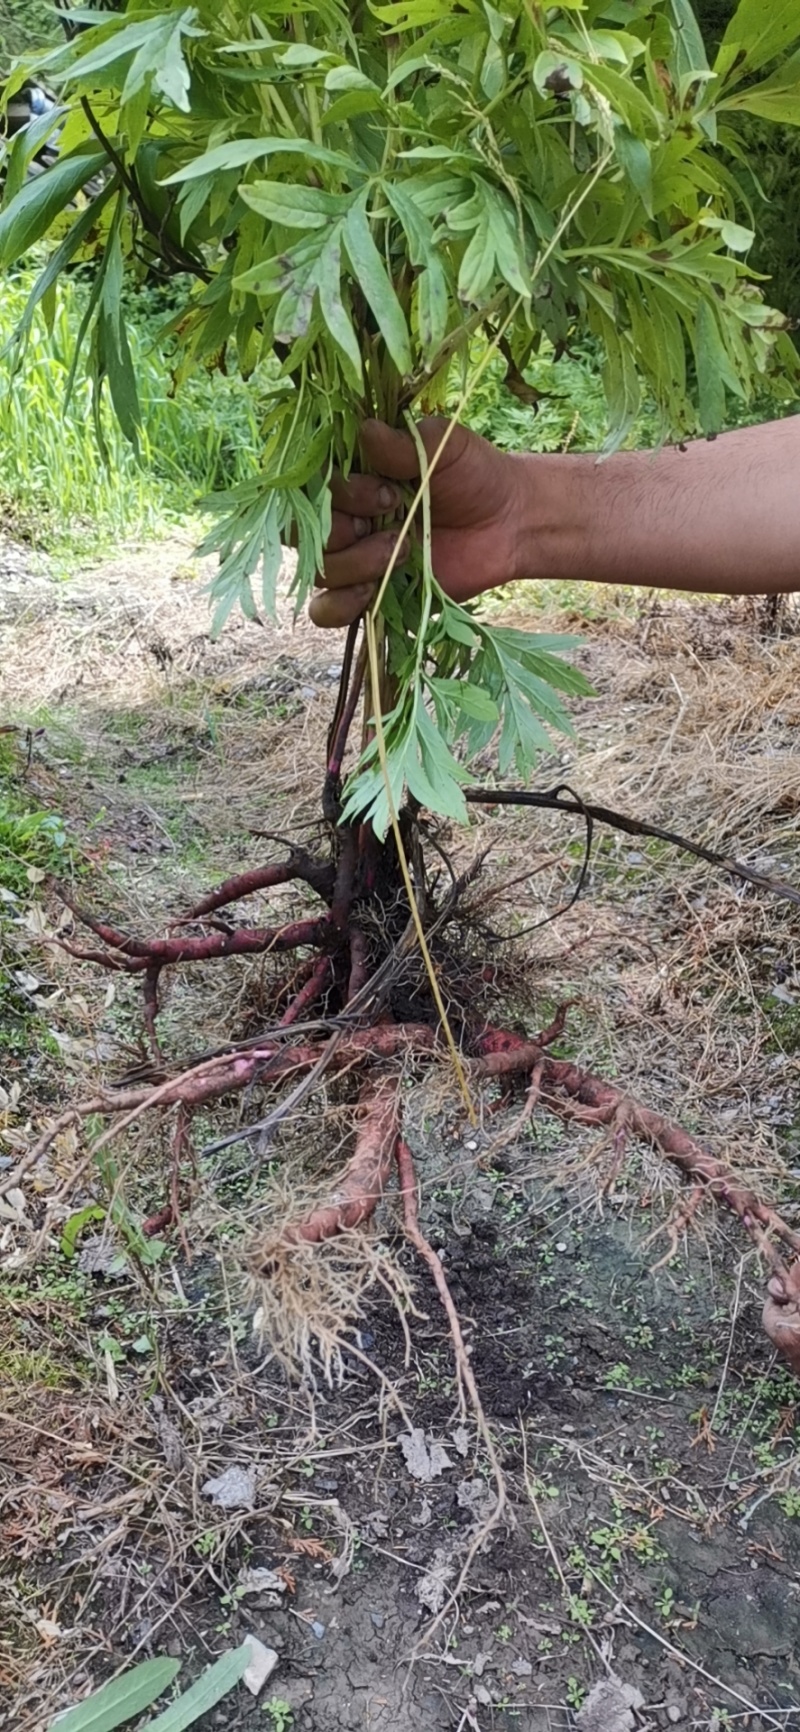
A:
263, 1661
378, 1620
674, 1715
318, 1629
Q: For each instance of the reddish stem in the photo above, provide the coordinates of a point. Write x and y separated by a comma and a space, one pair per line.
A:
339, 741
359, 963
151, 1007
345, 878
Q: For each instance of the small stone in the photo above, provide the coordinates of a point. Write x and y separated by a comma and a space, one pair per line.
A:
263, 1661
378, 1620
481, 1695
318, 1629
674, 1715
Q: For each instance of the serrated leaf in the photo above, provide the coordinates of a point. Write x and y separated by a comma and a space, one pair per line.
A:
121, 1700
211, 1686
472, 699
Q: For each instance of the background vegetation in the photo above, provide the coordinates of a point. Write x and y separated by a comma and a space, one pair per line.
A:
207, 437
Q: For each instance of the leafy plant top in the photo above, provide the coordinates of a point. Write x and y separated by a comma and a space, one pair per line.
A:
359, 191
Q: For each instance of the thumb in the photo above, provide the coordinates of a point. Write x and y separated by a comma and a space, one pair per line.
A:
389, 452
392, 453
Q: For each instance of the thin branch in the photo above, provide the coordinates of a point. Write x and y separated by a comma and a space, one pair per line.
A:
564, 799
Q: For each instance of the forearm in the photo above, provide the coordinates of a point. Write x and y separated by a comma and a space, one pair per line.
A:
720, 516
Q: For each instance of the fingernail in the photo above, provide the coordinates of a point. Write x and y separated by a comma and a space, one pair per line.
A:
386, 497
361, 526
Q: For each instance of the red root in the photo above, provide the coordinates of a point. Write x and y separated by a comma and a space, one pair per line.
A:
152, 973
780, 1317
602, 1103
309, 993
245, 941
359, 963
159, 1222
362, 1182
236, 1071
301, 867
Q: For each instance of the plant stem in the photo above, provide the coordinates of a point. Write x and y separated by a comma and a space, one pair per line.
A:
312, 101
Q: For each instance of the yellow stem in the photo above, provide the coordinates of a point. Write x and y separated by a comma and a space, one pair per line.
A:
375, 676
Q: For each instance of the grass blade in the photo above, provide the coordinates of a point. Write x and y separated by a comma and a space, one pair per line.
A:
209, 1689
120, 1700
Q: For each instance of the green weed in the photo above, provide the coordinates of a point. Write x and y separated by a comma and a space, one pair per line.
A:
55, 488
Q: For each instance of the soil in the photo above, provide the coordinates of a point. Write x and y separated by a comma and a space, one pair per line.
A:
652, 1534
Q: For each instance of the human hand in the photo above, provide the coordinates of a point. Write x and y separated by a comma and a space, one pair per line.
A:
475, 514
781, 1315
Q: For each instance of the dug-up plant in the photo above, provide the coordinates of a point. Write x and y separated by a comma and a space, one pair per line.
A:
369, 195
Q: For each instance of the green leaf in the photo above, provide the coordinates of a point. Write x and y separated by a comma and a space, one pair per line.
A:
146, 39
637, 162
473, 700
294, 206
209, 1689
349, 78
23, 147
241, 151
121, 1700
373, 279
60, 257
690, 49
314, 452
33, 209
759, 31
432, 307
327, 278
557, 74
72, 1228
777, 98
709, 353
